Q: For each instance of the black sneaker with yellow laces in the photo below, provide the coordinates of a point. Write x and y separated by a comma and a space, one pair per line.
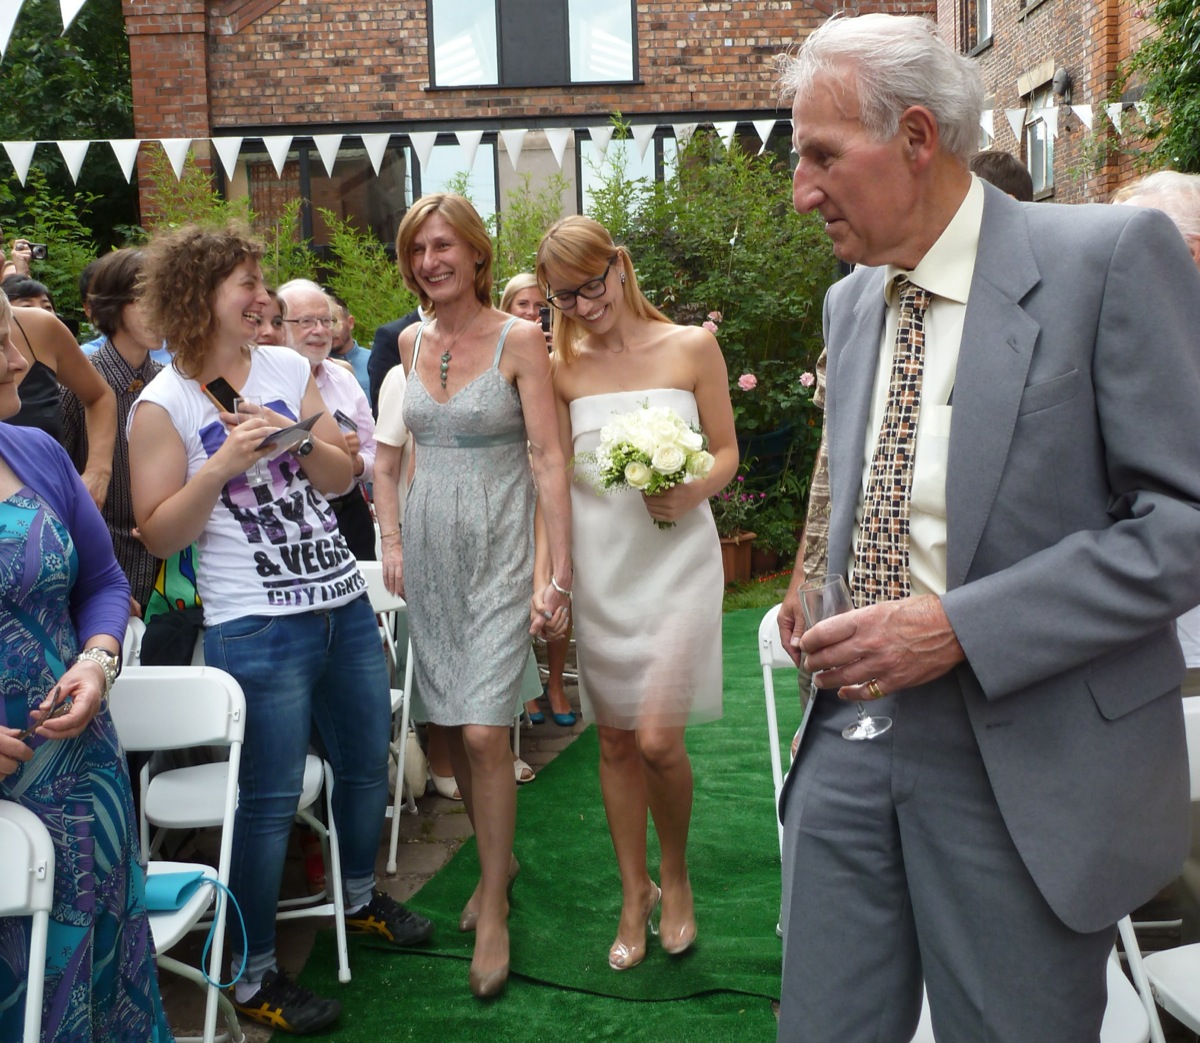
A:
386, 917
282, 1004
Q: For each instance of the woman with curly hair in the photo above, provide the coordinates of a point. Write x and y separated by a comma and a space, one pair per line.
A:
285, 605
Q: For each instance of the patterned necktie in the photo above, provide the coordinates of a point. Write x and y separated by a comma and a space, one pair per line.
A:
881, 555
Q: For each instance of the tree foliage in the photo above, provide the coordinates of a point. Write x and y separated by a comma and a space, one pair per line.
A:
72, 86
1168, 65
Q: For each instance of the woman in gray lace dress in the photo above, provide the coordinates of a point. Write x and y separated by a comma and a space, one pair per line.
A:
479, 389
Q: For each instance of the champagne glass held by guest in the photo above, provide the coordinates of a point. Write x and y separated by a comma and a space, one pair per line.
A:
59, 579
643, 594
523, 297
479, 392
288, 616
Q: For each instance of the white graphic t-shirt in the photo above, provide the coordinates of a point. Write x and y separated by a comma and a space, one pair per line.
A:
271, 549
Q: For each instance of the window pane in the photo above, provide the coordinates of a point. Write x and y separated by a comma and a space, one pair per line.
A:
464, 42
446, 164
359, 196
601, 40
624, 155
984, 16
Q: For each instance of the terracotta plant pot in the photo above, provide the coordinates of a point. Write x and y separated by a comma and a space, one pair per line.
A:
735, 556
763, 561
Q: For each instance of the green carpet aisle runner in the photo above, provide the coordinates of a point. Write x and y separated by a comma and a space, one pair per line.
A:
566, 903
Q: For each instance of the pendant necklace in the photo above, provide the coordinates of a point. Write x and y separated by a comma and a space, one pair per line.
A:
445, 360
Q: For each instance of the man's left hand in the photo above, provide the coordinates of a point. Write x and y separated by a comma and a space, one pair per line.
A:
882, 648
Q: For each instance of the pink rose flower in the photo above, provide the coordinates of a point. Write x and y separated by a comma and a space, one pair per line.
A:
710, 326
747, 381
715, 316
807, 380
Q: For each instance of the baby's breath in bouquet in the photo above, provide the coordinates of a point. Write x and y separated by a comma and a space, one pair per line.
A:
650, 450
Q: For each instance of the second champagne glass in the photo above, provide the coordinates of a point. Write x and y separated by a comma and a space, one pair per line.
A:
829, 596
244, 407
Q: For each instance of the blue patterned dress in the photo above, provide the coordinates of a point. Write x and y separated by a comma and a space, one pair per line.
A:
101, 980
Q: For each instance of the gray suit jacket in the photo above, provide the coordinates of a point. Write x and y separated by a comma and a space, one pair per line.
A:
1073, 530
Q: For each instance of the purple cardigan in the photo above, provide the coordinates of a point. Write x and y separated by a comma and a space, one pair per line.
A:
100, 595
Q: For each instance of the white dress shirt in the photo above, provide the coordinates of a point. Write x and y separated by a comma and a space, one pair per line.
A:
340, 390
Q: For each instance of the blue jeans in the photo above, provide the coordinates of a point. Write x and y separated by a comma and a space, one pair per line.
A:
322, 668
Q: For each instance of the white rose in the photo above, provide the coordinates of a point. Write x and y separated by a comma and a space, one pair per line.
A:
667, 459
700, 463
663, 431
637, 474
690, 440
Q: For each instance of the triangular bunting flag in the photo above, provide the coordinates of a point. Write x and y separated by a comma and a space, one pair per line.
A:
8, 18
683, 133
73, 152
69, 8
20, 153
1113, 111
643, 134
514, 141
987, 120
227, 150
601, 136
1050, 115
764, 128
376, 145
126, 150
1143, 110
557, 138
327, 148
725, 131
468, 141
278, 146
422, 143
1016, 120
1084, 112
176, 150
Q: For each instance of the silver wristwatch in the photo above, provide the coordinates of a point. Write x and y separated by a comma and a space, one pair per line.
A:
109, 663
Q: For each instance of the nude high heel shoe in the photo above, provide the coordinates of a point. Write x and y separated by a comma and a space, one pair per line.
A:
622, 956
470, 916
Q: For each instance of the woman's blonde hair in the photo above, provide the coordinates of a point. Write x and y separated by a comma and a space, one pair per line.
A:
582, 245
465, 221
520, 281
180, 275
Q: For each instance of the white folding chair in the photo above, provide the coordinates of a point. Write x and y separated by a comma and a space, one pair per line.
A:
390, 608
173, 708
27, 889
1172, 976
772, 657
190, 798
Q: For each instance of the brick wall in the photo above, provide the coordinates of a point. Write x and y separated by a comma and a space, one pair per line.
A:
1089, 38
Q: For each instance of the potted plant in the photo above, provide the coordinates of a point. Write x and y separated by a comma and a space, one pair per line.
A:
732, 510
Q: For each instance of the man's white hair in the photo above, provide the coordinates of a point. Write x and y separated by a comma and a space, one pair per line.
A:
895, 62
1176, 195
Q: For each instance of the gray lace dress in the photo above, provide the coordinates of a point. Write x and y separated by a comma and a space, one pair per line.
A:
468, 547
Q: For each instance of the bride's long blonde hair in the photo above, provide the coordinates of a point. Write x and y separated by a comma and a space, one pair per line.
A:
580, 244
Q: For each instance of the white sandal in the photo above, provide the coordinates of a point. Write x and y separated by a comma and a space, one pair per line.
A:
445, 786
523, 772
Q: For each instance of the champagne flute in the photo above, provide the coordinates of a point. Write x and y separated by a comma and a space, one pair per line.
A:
829, 596
244, 407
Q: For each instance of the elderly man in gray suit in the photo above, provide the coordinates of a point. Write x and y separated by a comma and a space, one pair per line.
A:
1015, 497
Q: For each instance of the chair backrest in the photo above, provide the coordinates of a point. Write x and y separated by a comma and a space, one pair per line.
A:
27, 889
131, 649
26, 862
770, 648
173, 707
1191, 722
382, 600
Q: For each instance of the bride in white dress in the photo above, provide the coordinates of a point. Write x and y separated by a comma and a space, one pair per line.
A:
647, 600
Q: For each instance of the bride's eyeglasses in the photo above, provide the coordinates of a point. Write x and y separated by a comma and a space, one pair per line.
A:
589, 291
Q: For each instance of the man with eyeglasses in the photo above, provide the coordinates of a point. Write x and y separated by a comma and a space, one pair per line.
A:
310, 325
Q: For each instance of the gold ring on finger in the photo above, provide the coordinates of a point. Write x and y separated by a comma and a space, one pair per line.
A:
874, 689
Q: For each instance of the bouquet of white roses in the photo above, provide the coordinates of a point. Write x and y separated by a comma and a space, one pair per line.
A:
650, 450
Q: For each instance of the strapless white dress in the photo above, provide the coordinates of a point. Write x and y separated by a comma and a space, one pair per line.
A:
647, 601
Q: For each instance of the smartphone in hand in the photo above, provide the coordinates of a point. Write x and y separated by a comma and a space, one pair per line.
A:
221, 393
345, 422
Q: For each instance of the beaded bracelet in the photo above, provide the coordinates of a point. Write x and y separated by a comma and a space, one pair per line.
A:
565, 593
